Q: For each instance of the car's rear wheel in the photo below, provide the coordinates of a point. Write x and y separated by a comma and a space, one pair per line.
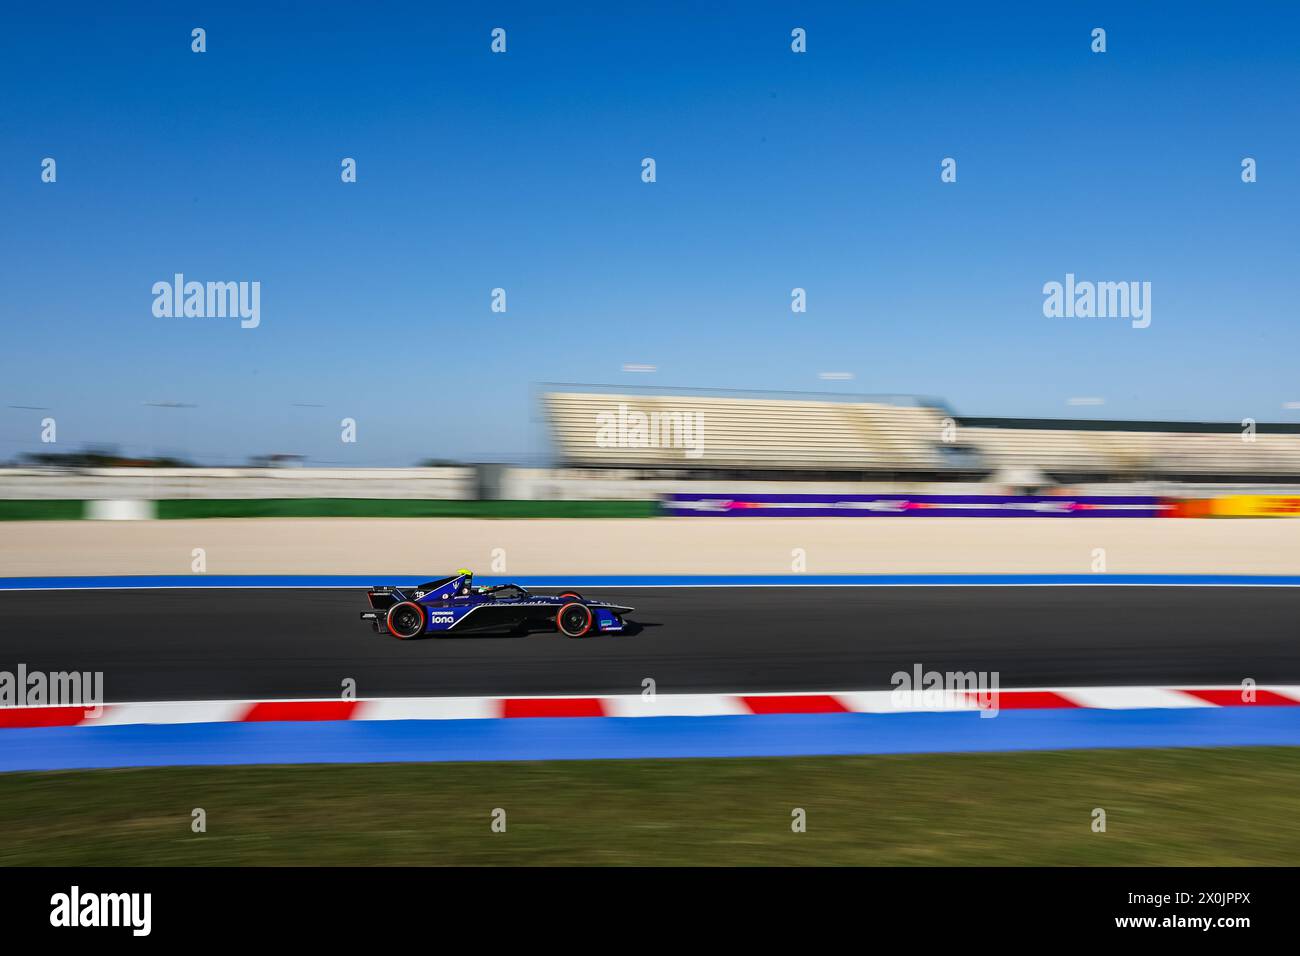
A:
405, 620
571, 595
574, 620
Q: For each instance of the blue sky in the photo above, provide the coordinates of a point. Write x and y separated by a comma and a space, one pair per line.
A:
522, 171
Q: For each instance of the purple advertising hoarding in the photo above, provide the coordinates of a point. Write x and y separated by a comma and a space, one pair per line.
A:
904, 505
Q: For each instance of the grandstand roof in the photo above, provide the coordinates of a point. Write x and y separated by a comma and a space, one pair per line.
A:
1122, 425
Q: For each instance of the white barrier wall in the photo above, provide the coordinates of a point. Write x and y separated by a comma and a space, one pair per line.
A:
528, 484
546, 484
159, 483
559, 484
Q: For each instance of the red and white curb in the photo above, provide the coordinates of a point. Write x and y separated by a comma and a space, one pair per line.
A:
661, 705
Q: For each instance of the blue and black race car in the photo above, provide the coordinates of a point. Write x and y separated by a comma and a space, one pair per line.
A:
454, 604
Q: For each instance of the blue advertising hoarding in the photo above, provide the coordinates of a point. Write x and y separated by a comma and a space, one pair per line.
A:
914, 506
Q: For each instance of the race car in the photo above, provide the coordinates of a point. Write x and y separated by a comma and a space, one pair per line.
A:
453, 603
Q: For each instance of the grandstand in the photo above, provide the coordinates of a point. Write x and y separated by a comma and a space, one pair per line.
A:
709, 433
759, 436
1089, 450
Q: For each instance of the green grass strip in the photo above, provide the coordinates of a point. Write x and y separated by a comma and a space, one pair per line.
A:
1203, 807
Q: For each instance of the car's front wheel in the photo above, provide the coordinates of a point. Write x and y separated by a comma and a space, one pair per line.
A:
574, 620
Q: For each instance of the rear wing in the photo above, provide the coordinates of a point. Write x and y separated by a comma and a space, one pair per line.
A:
382, 598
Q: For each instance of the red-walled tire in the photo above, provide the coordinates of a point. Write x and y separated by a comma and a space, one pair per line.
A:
574, 620
405, 620
573, 595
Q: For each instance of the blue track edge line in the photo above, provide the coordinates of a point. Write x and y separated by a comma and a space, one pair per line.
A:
647, 580
595, 738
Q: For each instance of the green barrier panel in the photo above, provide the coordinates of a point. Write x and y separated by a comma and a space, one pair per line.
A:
41, 510
399, 508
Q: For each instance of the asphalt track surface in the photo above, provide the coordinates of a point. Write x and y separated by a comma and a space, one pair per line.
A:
201, 643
